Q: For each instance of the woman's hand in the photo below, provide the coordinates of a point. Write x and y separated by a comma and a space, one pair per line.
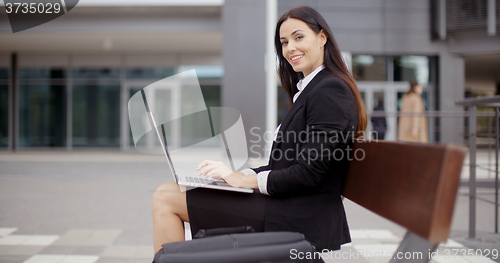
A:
238, 179
217, 170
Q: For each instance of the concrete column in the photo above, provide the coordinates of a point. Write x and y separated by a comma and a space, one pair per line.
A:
451, 89
244, 83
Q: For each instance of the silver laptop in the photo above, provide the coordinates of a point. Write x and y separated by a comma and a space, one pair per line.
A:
193, 181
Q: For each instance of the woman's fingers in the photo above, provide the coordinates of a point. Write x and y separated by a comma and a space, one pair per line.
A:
216, 170
206, 169
204, 163
214, 174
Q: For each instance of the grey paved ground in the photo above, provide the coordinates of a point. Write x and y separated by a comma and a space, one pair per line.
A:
95, 207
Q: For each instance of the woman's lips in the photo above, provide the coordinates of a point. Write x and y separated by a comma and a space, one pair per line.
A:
296, 59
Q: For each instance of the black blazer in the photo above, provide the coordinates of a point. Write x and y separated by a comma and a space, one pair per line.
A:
308, 169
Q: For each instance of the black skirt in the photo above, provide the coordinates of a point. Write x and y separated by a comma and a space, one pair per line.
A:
209, 208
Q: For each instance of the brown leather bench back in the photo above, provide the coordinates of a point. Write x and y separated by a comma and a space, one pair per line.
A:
414, 185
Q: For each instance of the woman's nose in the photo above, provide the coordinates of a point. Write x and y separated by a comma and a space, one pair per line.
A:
290, 48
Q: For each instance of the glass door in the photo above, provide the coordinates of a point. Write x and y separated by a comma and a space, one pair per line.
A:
165, 106
381, 100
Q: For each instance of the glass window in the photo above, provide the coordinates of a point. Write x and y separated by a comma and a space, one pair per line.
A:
205, 71
96, 73
378, 100
131, 93
195, 128
149, 73
96, 115
407, 68
211, 94
42, 115
96, 107
4, 74
4, 108
4, 116
42, 73
162, 109
369, 68
379, 122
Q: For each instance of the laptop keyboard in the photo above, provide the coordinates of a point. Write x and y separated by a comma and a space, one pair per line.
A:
200, 180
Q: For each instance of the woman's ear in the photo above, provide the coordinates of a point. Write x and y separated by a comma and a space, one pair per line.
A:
322, 37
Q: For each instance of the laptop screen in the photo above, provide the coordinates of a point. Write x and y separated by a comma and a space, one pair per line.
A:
163, 141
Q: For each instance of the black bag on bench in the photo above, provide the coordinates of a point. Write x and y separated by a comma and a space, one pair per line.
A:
203, 233
245, 248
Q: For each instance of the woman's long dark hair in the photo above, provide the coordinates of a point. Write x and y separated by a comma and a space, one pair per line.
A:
333, 62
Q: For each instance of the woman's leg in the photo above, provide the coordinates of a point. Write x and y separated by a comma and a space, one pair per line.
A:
169, 213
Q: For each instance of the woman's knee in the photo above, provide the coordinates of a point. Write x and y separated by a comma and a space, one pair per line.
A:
164, 192
168, 196
170, 187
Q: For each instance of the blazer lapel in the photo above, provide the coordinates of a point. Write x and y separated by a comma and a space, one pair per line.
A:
299, 103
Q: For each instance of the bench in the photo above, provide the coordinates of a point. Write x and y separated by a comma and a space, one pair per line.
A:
413, 185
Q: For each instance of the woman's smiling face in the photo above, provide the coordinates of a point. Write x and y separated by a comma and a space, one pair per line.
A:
302, 47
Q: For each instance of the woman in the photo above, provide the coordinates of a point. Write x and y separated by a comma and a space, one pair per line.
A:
413, 128
299, 189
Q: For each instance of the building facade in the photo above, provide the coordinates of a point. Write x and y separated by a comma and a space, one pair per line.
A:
65, 84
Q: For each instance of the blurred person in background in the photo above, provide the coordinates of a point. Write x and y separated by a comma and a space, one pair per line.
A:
413, 122
379, 123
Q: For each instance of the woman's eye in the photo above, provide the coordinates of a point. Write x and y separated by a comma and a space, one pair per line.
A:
299, 37
284, 43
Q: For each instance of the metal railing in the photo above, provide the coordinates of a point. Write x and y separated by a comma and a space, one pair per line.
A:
482, 124
473, 104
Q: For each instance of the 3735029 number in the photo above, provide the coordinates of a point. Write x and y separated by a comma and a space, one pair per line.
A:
33, 8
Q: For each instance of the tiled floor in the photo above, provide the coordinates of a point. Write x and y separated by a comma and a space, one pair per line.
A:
28, 240
379, 245
62, 259
98, 246
74, 246
93, 207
